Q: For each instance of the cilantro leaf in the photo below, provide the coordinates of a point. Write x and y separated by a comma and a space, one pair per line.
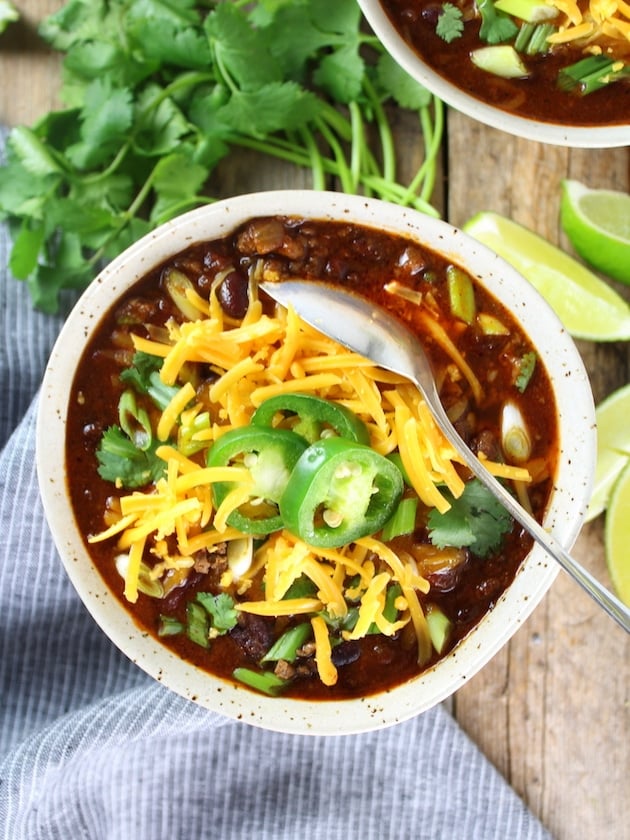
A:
26, 245
159, 123
496, 26
221, 610
33, 154
180, 12
166, 43
269, 108
476, 520
244, 58
144, 377
75, 22
341, 72
121, 462
177, 181
105, 120
450, 23
143, 365
400, 85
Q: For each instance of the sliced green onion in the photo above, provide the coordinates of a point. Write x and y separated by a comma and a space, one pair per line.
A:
501, 60
287, 646
146, 584
198, 624
390, 611
186, 442
591, 74
532, 11
439, 626
461, 294
134, 421
303, 587
403, 521
491, 325
532, 38
526, 368
160, 393
538, 41
169, 626
177, 284
266, 682
396, 458
515, 439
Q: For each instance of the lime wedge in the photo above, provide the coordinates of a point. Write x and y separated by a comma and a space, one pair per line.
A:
616, 536
613, 447
598, 224
587, 306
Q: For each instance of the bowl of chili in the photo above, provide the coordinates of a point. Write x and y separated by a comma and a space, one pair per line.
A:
543, 70
272, 526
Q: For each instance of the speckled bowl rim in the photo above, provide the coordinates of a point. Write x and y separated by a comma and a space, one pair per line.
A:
565, 516
586, 137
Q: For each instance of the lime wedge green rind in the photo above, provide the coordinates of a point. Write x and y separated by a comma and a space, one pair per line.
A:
613, 448
616, 536
587, 306
597, 223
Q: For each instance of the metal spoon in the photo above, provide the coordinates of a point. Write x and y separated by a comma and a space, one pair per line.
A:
371, 331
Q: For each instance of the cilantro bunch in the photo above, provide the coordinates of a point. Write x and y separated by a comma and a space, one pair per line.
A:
157, 92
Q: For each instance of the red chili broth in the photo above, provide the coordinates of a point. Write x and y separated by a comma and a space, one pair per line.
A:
357, 258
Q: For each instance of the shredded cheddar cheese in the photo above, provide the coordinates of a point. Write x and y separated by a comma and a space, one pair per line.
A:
260, 357
604, 22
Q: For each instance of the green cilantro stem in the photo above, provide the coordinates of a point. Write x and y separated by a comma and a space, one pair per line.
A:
315, 159
385, 134
343, 170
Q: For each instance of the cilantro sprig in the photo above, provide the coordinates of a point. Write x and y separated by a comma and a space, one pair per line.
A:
450, 23
157, 93
124, 463
476, 520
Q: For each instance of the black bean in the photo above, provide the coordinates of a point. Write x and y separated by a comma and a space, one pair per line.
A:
233, 295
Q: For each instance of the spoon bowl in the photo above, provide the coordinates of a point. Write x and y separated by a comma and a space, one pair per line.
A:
371, 331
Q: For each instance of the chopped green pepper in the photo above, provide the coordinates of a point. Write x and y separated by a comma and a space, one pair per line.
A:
338, 492
313, 416
269, 455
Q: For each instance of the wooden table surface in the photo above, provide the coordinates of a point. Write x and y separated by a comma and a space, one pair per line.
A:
552, 709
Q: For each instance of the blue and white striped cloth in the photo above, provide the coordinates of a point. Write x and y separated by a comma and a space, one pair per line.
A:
91, 747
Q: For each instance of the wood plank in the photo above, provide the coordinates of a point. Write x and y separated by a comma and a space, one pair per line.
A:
29, 66
551, 710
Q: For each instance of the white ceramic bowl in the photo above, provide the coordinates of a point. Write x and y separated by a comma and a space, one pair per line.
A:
564, 518
595, 137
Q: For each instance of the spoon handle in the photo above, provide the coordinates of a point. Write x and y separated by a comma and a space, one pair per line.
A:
611, 604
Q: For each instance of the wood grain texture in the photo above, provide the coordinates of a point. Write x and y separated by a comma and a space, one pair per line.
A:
551, 710
28, 69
